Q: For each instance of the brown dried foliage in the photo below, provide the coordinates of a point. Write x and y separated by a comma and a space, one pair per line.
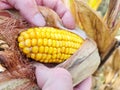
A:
103, 31
11, 58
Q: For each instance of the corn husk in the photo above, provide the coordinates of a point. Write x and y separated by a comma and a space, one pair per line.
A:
103, 30
76, 65
107, 77
19, 72
97, 28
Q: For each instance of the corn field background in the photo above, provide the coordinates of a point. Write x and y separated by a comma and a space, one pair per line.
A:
107, 77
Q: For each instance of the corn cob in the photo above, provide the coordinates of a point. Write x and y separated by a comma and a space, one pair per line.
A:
49, 45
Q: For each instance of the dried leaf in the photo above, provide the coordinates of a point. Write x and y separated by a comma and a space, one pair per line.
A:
111, 16
48, 14
111, 72
11, 57
95, 27
116, 59
18, 84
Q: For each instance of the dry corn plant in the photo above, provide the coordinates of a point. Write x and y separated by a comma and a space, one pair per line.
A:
103, 30
108, 77
19, 69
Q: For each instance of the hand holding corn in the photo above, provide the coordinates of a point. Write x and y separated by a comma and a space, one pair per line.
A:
58, 79
45, 78
28, 8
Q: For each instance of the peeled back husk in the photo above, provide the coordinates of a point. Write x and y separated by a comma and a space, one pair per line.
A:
19, 72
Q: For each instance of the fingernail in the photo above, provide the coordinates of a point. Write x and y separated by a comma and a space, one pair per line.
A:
38, 20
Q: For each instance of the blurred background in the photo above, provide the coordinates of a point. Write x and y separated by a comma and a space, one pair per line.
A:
107, 77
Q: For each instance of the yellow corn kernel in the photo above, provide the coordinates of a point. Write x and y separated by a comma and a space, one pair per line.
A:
63, 49
20, 39
49, 56
54, 43
67, 51
47, 35
44, 56
28, 43
32, 35
22, 33
40, 42
26, 36
38, 56
26, 50
49, 45
30, 30
38, 35
34, 42
54, 50
58, 50
49, 42
67, 56
42, 34
21, 45
58, 55
62, 56
35, 49
45, 42
54, 56
33, 55
50, 50
46, 49
41, 49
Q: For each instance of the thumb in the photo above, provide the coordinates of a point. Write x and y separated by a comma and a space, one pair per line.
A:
53, 79
28, 8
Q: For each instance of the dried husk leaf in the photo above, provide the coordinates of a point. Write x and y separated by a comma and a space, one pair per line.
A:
77, 63
15, 63
96, 28
111, 17
52, 19
18, 84
111, 69
111, 73
18, 66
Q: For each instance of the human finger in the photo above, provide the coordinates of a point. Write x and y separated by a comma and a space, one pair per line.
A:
28, 8
4, 5
53, 79
84, 85
61, 10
